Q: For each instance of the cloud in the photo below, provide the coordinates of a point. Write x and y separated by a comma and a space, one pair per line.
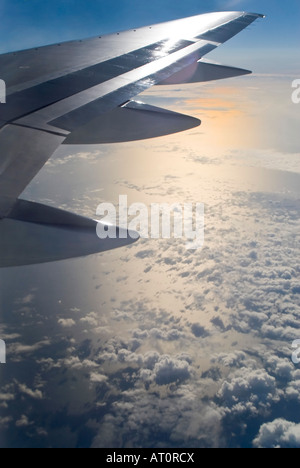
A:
26, 300
152, 367
270, 159
165, 334
23, 421
35, 394
21, 349
98, 378
235, 359
292, 391
90, 319
67, 323
248, 391
140, 334
75, 363
180, 418
6, 396
168, 370
91, 157
5, 421
282, 368
278, 434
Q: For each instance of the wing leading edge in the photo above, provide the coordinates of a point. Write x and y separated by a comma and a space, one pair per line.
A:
63, 93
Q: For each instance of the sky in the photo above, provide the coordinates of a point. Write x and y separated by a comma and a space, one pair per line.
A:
153, 345
29, 23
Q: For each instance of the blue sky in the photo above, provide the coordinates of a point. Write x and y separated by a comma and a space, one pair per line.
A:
28, 23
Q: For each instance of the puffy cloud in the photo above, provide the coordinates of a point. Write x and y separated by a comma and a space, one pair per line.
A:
249, 390
5, 421
150, 359
67, 323
168, 370
98, 378
90, 319
75, 363
278, 434
35, 394
151, 366
180, 418
6, 396
23, 421
281, 368
166, 335
126, 356
235, 359
21, 349
140, 334
292, 391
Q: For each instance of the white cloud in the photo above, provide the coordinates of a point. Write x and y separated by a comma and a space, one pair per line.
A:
5, 421
281, 368
249, 390
90, 319
91, 157
180, 418
168, 370
75, 363
6, 396
165, 334
235, 359
67, 323
35, 394
20, 349
278, 434
98, 378
23, 421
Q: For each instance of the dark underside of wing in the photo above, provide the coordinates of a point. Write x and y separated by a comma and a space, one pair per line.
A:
83, 92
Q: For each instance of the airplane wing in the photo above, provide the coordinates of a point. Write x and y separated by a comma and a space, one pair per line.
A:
83, 92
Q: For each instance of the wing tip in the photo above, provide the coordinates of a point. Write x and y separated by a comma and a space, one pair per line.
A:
249, 13
257, 15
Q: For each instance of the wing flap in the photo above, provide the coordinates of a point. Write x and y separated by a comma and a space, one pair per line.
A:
34, 233
203, 71
131, 122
